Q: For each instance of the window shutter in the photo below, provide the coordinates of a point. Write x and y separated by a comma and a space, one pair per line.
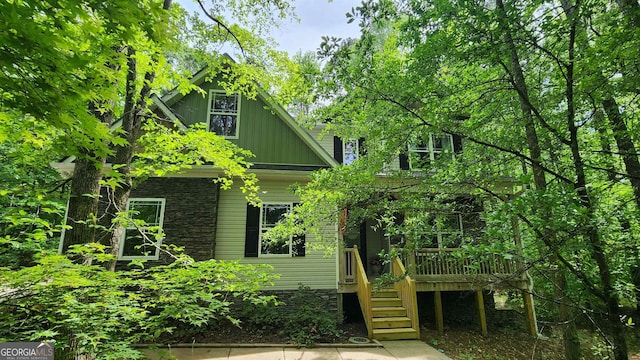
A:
337, 149
252, 231
457, 144
362, 150
299, 242
404, 161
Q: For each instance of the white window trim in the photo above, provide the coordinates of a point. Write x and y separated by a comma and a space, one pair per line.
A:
260, 254
440, 233
211, 112
344, 150
154, 256
431, 151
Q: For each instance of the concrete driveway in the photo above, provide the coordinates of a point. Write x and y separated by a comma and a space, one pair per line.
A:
399, 349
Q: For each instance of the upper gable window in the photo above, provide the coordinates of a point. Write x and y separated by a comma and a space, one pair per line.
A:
429, 149
223, 113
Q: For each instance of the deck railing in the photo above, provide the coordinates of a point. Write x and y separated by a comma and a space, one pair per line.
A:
406, 289
364, 292
449, 262
347, 267
444, 264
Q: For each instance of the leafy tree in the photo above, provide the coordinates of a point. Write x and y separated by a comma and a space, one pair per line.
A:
77, 80
525, 85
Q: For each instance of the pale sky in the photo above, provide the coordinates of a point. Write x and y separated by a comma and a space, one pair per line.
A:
317, 18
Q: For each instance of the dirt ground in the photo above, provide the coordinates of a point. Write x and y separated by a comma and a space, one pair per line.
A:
466, 343
459, 341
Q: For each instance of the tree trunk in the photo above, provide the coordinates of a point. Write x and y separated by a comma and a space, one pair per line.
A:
135, 106
565, 316
598, 253
83, 202
82, 212
627, 149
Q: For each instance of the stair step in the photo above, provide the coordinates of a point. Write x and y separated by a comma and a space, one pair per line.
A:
386, 302
395, 311
395, 334
391, 322
384, 293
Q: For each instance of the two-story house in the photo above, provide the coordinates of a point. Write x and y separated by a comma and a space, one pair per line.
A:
209, 223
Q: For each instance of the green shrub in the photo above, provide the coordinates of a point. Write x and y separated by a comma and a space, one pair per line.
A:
88, 310
304, 319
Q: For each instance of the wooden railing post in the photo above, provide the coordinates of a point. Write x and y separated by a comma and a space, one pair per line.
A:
342, 264
411, 262
364, 292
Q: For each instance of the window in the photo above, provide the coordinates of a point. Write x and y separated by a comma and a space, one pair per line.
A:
347, 151
350, 151
441, 230
259, 220
429, 149
223, 113
270, 215
141, 242
447, 230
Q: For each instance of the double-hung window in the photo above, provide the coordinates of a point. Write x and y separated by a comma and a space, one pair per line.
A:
140, 240
447, 230
425, 151
436, 230
224, 110
350, 151
270, 215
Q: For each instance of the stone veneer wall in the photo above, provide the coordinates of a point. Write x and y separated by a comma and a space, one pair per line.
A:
190, 215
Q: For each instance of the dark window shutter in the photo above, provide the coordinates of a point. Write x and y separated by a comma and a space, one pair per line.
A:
404, 161
299, 242
457, 144
252, 231
362, 150
337, 149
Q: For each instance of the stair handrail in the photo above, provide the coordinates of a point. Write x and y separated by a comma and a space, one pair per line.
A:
406, 289
364, 292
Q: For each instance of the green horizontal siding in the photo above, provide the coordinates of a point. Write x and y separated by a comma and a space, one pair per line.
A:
261, 131
314, 270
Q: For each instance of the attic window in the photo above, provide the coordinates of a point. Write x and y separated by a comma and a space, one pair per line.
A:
223, 113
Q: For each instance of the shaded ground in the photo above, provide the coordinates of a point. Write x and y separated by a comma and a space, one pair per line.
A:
459, 341
234, 335
512, 343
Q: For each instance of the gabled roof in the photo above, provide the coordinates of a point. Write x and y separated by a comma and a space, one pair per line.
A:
202, 76
163, 105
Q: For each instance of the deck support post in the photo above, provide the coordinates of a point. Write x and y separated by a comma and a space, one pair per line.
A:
481, 314
437, 299
531, 313
340, 309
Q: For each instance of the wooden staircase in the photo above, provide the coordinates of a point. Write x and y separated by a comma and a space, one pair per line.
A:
390, 320
390, 314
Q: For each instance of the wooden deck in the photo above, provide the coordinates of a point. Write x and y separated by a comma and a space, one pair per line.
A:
432, 270
447, 270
